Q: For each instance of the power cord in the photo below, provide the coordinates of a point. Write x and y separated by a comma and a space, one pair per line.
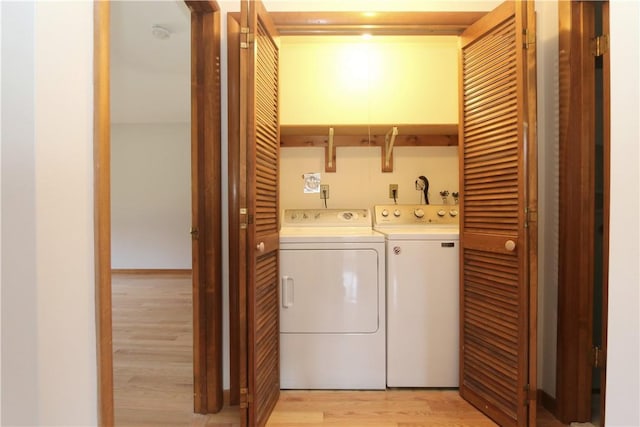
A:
324, 196
395, 196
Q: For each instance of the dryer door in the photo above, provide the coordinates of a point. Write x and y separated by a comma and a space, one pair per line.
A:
330, 291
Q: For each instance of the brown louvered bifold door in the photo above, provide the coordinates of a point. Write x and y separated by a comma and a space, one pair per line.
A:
259, 69
497, 162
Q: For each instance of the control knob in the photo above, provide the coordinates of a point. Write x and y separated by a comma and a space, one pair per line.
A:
441, 213
396, 213
419, 213
384, 213
453, 212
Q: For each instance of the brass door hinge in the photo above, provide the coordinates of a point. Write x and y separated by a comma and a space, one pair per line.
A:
530, 395
600, 45
598, 358
194, 233
243, 221
245, 398
248, 38
529, 38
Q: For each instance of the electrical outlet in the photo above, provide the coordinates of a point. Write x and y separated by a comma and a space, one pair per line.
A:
324, 192
393, 188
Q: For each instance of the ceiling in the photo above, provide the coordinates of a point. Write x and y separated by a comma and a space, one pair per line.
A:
150, 77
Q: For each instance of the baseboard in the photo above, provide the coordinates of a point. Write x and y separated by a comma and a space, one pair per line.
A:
547, 402
151, 271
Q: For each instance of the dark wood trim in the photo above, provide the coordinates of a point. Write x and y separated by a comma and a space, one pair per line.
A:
226, 394
366, 136
241, 234
102, 211
197, 219
206, 161
202, 7
378, 23
152, 271
547, 402
606, 186
233, 96
364, 140
577, 214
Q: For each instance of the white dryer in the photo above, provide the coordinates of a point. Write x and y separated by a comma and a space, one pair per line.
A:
422, 256
332, 313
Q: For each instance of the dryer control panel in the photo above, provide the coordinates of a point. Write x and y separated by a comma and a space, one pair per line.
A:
397, 215
326, 218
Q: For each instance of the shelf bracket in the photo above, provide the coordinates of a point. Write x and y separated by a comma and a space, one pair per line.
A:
330, 154
389, 141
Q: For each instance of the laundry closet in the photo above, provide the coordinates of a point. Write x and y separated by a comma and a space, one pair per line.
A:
367, 122
359, 129
362, 87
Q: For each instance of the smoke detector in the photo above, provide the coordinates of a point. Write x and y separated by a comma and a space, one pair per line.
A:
160, 32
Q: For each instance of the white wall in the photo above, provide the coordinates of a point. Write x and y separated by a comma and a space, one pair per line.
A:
64, 213
48, 328
151, 196
384, 80
623, 355
359, 182
19, 285
548, 181
0, 216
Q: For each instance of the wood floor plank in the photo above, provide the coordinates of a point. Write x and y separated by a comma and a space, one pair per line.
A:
153, 354
153, 375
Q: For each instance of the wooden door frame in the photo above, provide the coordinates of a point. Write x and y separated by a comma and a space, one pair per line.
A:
205, 42
576, 212
300, 23
237, 198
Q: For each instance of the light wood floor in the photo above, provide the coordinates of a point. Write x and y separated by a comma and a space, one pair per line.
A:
152, 341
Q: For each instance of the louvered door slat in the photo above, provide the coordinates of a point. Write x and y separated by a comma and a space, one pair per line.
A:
494, 288
501, 119
489, 113
490, 149
478, 142
491, 96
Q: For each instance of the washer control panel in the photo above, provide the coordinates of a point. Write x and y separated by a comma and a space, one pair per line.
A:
416, 215
326, 218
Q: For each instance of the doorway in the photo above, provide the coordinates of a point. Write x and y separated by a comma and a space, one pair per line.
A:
532, 218
151, 210
205, 210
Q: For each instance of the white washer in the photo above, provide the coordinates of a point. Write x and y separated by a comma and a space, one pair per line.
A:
332, 312
422, 294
